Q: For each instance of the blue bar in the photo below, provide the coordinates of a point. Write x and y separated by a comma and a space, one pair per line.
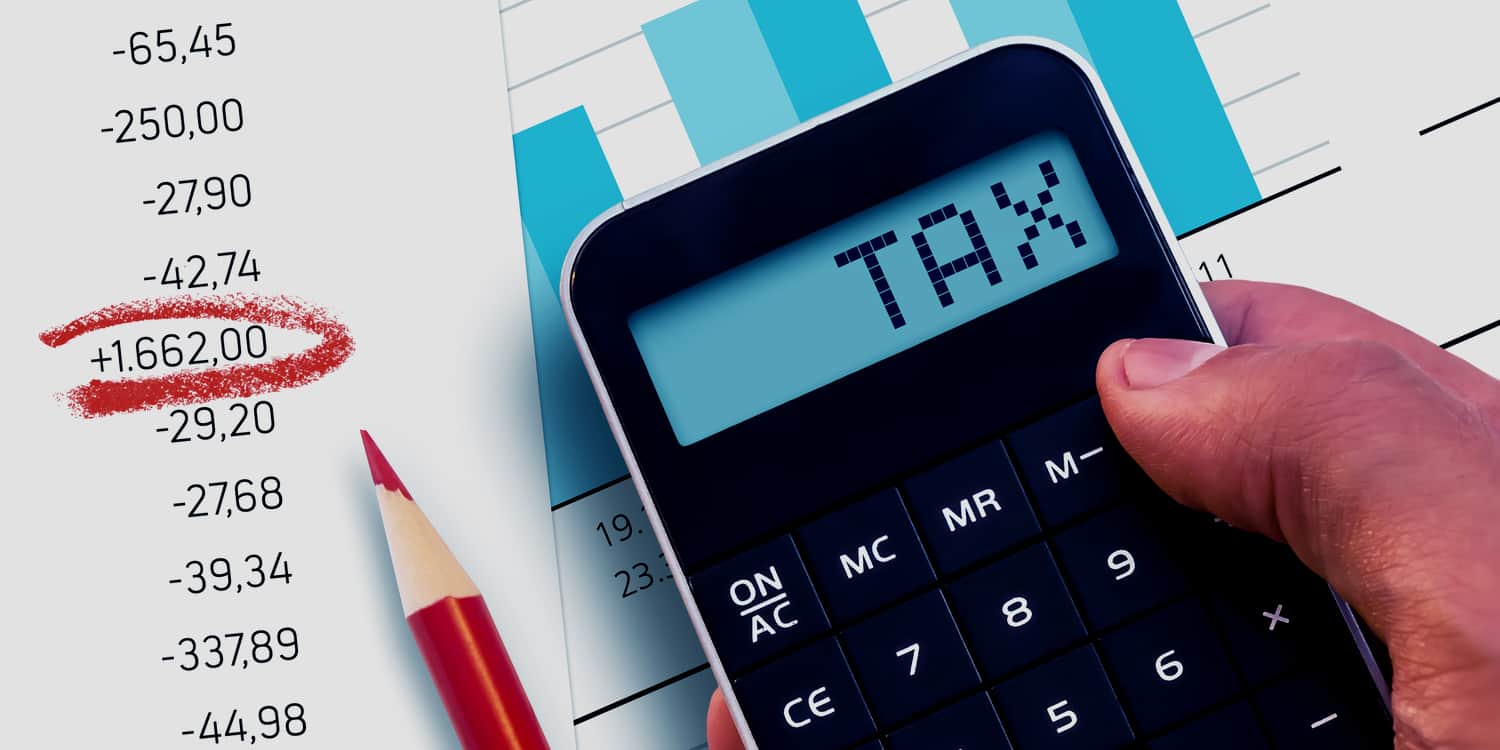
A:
581, 453
1153, 72
984, 20
721, 76
564, 182
823, 50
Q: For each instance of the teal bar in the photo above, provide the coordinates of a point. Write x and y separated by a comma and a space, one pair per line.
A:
985, 20
1150, 65
721, 76
581, 453
564, 182
823, 50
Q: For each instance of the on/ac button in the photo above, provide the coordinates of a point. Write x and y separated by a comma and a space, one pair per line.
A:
758, 604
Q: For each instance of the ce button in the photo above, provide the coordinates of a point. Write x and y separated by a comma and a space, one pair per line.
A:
805, 699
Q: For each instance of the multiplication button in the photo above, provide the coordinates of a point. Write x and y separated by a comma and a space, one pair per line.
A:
805, 700
758, 604
971, 508
1073, 463
865, 556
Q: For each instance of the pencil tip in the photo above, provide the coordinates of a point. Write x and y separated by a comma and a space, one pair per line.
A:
380, 469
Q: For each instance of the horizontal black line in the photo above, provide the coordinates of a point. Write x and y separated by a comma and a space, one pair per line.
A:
1472, 334
1461, 115
586, 493
640, 694
1261, 202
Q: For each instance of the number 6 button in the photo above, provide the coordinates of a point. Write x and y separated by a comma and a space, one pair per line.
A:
1169, 666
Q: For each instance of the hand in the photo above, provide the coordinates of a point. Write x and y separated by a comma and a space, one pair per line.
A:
1373, 453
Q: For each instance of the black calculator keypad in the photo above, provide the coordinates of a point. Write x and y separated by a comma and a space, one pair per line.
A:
806, 699
1231, 728
1064, 704
865, 556
1073, 464
971, 508
968, 725
1016, 611
1169, 665
759, 603
1119, 565
1078, 609
910, 658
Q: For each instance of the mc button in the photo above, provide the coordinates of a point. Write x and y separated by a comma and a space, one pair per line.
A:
758, 604
865, 556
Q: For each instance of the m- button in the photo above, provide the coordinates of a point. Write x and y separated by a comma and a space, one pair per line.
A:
759, 604
971, 508
1073, 464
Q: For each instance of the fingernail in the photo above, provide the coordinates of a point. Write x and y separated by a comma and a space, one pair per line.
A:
1149, 363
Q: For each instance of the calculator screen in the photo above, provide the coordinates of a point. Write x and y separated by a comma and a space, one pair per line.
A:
871, 286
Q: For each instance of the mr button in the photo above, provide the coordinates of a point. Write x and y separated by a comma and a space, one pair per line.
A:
758, 604
971, 508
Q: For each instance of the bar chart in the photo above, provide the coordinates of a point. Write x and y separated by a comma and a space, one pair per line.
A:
610, 103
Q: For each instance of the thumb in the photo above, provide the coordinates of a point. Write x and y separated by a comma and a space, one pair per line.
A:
1368, 468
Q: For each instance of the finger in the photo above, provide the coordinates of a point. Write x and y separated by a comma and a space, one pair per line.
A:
1313, 444
1378, 477
1259, 313
722, 734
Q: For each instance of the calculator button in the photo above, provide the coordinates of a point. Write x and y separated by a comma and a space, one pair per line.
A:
1280, 620
1310, 712
1169, 666
971, 508
1119, 566
968, 725
1231, 728
1073, 463
876, 745
910, 659
865, 556
1016, 611
805, 700
758, 604
1065, 704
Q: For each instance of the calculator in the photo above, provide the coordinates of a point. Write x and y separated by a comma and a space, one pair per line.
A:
851, 371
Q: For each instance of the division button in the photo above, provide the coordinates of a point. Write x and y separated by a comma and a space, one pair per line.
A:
1016, 611
805, 700
1169, 666
1073, 463
758, 604
1065, 704
971, 508
865, 556
968, 725
910, 659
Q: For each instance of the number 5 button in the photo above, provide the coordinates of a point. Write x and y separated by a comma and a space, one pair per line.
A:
1169, 666
1065, 704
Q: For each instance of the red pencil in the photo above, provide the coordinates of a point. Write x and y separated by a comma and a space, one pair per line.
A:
451, 625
